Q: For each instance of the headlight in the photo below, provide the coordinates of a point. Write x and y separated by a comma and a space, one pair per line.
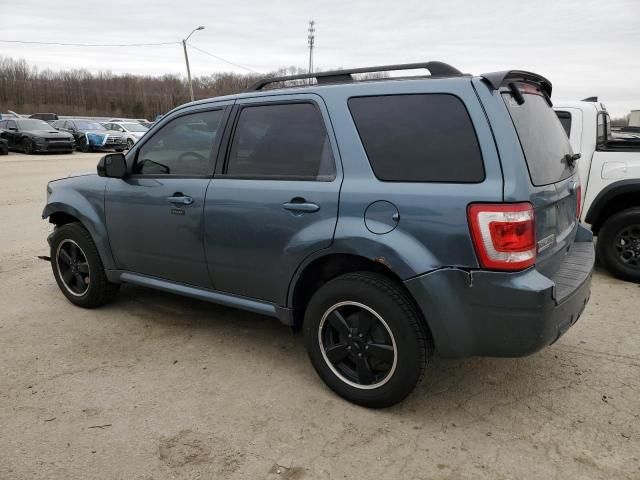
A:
48, 191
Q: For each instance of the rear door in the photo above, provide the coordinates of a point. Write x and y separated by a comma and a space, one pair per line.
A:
553, 175
275, 199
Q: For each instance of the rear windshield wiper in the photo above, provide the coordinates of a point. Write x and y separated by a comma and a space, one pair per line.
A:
570, 159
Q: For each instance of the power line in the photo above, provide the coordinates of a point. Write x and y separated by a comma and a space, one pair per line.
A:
26, 42
223, 59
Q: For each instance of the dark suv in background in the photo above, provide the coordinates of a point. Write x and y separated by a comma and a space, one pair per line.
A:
385, 218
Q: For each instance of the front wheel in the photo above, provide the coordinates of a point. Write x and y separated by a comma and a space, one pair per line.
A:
27, 146
619, 244
84, 145
366, 339
78, 269
129, 144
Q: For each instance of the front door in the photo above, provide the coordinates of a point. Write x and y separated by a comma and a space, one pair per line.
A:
154, 216
275, 200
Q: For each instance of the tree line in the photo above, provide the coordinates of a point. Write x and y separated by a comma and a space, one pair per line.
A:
26, 89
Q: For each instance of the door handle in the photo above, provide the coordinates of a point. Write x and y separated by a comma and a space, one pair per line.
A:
301, 205
180, 199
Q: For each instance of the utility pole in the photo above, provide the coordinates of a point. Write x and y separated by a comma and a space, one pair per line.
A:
186, 59
311, 38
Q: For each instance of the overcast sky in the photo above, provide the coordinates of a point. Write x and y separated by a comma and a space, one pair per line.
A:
585, 47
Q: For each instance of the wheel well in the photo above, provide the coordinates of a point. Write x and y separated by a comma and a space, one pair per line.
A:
324, 269
618, 203
62, 218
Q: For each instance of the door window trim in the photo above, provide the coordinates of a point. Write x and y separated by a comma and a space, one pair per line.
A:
229, 134
215, 149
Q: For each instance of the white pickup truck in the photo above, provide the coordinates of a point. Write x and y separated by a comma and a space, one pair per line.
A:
609, 170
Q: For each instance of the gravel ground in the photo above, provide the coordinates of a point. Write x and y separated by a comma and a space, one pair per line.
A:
155, 386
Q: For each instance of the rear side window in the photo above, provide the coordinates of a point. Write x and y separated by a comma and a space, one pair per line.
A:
565, 120
281, 141
418, 138
543, 139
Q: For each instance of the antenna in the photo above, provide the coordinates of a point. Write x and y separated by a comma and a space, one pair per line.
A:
311, 42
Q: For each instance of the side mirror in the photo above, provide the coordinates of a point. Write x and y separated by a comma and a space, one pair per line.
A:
13, 129
112, 165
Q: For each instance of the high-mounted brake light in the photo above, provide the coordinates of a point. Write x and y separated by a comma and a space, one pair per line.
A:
503, 235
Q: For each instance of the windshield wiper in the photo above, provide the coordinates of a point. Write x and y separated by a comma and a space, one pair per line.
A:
570, 159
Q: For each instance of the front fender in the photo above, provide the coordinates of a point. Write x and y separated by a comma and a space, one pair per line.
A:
87, 205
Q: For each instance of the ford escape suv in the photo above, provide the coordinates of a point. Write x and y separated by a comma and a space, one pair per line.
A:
387, 219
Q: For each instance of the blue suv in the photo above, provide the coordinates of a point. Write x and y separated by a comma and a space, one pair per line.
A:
387, 219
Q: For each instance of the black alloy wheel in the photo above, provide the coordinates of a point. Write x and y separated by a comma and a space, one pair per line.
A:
73, 267
366, 338
618, 244
357, 344
84, 145
627, 245
27, 146
78, 269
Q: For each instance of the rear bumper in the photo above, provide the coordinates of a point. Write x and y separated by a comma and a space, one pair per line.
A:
503, 314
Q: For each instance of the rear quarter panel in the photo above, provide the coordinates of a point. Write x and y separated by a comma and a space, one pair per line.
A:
432, 231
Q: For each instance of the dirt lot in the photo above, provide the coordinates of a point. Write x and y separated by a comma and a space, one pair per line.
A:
155, 386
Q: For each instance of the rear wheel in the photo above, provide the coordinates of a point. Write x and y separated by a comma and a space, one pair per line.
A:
619, 244
27, 146
366, 339
78, 269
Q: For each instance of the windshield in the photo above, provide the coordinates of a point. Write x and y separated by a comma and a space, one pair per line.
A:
542, 137
33, 124
86, 125
134, 127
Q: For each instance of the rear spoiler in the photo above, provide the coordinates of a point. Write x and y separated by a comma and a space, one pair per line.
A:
498, 79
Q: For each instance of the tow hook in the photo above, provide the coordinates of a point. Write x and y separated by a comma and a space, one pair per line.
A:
45, 258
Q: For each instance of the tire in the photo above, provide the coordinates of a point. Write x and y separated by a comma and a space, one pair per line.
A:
94, 289
27, 146
618, 244
119, 150
396, 329
83, 145
129, 144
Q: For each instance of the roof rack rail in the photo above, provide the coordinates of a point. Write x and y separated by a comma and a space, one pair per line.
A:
436, 69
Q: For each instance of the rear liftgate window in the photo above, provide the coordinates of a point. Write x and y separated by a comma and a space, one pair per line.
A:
542, 137
418, 138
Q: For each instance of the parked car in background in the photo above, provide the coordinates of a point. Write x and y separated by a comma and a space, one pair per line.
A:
31, 135
132, 131
47, 117
4, 146
383, 218
91, 135
609, 169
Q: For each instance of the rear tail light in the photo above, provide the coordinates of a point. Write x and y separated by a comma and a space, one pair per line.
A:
503, 235
579, 201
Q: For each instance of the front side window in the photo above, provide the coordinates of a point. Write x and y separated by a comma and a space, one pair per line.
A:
418, 138
281, 141
183, 146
